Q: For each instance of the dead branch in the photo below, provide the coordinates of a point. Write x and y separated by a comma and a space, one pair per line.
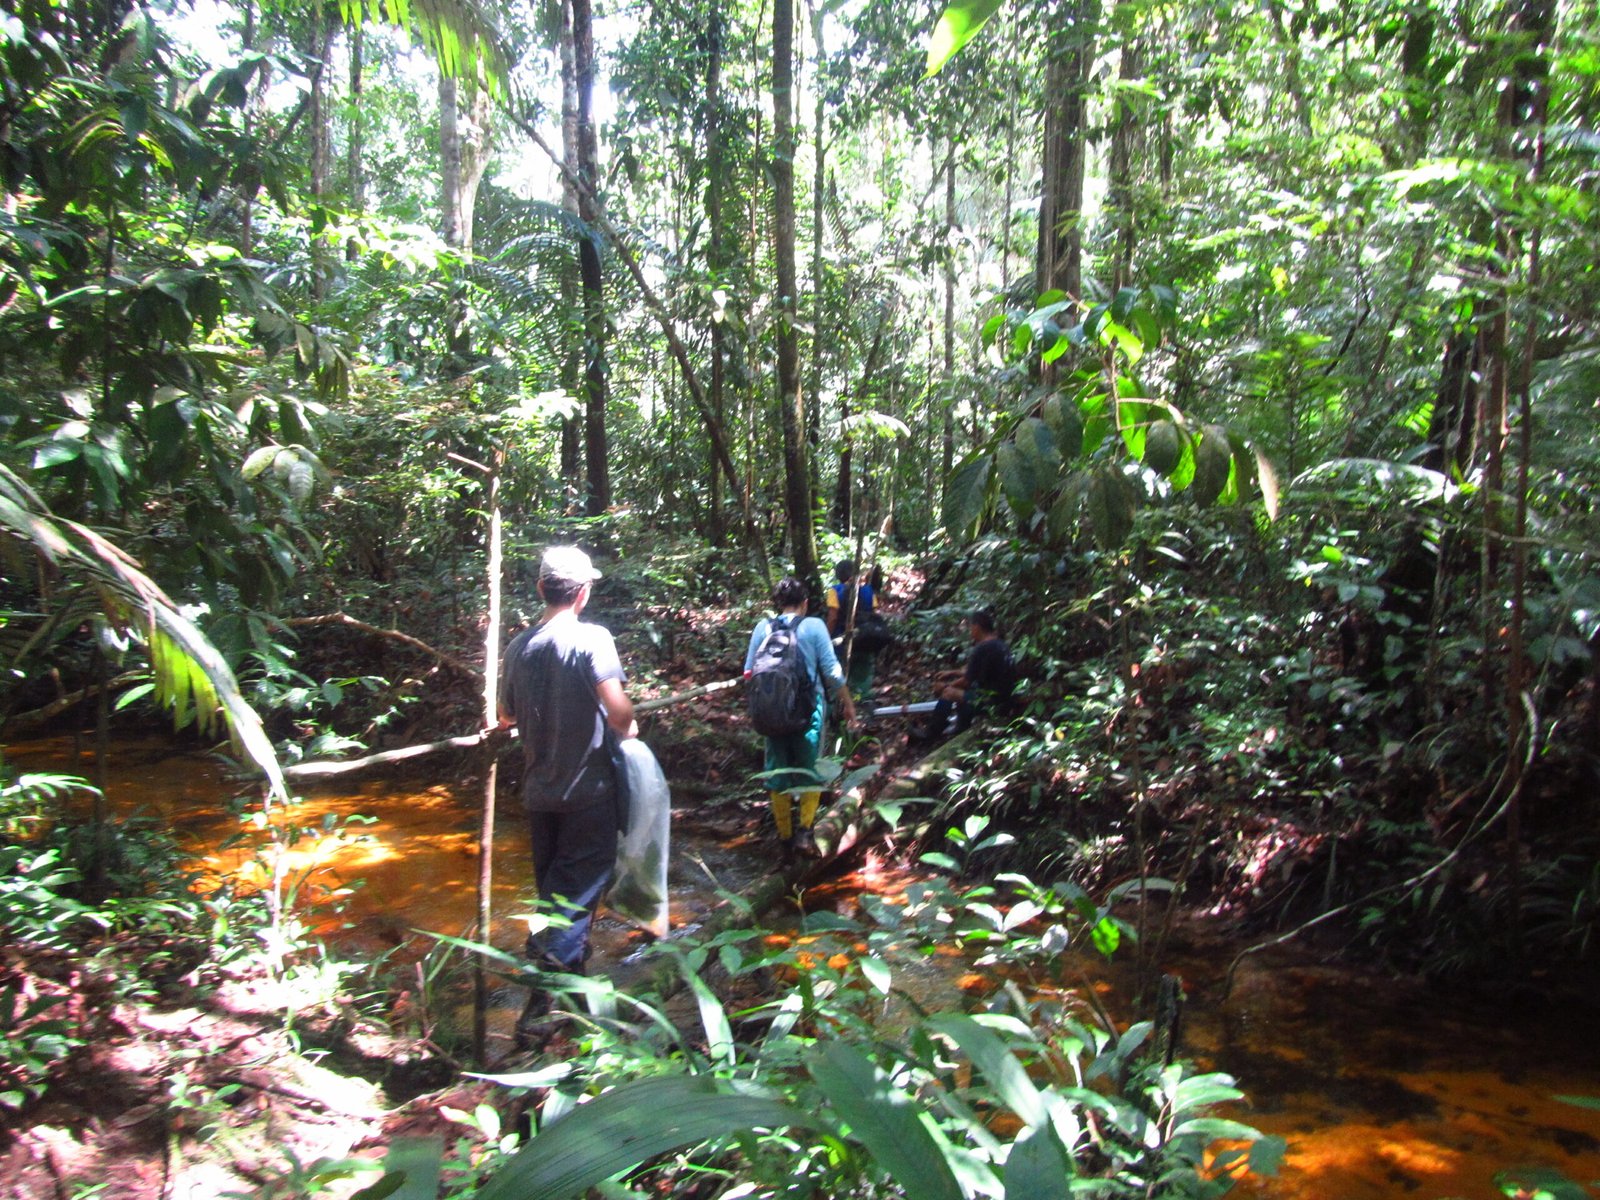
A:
393, 635
678, 697
319, 770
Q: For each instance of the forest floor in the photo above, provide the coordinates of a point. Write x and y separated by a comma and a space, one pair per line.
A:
227, 1086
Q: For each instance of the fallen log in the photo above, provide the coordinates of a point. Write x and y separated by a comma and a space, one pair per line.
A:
323, 769
326, 768
850, 818
23, 721
645, 706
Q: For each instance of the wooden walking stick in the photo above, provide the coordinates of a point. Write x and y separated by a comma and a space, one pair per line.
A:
491, 718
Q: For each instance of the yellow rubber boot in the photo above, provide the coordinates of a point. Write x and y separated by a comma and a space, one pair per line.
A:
808, 808
782, 813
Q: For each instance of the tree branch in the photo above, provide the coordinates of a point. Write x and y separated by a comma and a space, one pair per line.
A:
393, 635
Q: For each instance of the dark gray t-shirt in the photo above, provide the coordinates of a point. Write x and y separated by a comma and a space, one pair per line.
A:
549, 683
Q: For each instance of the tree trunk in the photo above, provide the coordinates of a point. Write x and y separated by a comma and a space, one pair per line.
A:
1120, 194
1059, 262
572, 349
463, 157
819, 314
791, 400
321, 143
356, 184
947, 458
596, 455
716, 257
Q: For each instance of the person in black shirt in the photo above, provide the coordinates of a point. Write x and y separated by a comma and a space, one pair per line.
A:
562, 687
983, 686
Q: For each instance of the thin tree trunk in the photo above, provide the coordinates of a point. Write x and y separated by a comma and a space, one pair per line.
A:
948, 450
596, 454
491, 718
321, 46
572, 358
791, 400
819, 314
715, 257
356, 184
1523, 111
1120, 196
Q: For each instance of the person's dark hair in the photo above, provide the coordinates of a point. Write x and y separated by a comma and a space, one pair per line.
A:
560, 592
983, 618
845, 570
789, 592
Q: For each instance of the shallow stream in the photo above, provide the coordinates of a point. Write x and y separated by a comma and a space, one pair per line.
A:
1383, 1088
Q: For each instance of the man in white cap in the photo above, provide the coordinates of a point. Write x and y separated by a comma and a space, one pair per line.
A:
561, 685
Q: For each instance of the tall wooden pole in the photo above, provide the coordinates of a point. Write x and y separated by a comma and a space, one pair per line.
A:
491, 717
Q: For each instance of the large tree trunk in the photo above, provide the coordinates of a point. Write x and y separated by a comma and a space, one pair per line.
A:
791, 400
596, 454
1059, 262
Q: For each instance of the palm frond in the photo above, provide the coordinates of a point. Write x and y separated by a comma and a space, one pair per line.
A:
461, 35
191, 676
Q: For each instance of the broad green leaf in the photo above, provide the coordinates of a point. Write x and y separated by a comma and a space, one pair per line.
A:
999, 1067
1541, 1183
1266, 1155
1163, 447
877, 973
1106, 935
1061, 415
1016, 477
1062, 522
627, 1126
719, 1034
1213, 462
1037, 445
886, 1120
966, 495
957, 26
1037, 1167
1110, 506
1213, 1128
411, 1170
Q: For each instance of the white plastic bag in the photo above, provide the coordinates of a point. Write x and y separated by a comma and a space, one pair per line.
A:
639, 891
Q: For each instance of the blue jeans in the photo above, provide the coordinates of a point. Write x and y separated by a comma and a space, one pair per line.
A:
573, 857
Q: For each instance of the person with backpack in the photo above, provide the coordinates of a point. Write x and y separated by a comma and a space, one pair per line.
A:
871, 633
789, 670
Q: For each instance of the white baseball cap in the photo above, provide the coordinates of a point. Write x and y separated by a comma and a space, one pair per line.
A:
567, 563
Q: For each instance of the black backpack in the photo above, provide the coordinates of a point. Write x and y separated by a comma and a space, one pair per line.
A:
778, 693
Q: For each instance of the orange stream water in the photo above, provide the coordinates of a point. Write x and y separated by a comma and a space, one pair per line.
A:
1383, 1090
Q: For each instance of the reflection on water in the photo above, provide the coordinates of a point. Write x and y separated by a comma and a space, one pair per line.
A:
1382, 1089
